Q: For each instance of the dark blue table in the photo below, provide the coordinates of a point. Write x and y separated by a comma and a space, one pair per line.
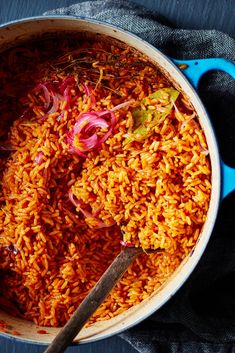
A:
200, 14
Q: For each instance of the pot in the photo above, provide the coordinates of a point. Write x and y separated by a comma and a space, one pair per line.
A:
223, 177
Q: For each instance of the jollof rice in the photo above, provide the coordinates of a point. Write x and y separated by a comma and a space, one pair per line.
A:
65, 208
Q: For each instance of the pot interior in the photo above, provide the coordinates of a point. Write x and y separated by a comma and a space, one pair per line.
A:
24, 30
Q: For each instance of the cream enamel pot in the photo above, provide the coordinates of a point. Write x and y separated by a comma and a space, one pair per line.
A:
223, 177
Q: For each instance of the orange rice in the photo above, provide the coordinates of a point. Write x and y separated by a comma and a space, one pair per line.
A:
151, 192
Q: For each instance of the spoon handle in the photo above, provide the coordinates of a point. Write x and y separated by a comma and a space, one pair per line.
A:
93, 300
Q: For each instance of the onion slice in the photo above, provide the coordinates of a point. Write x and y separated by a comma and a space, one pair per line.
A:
86, 89
46, 92
88, 92
55, 104
87, 214
127, 244
89, 143
85, 125
65, 90
39, 158
67, 82
76, 203
122, 105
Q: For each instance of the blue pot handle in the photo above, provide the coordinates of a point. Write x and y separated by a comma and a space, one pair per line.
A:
194, 70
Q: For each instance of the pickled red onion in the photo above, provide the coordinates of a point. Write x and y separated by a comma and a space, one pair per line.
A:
39, 158
37, 89
85, 124
87, 214
127, 244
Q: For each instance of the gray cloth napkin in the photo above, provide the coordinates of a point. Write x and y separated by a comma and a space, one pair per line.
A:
201, 316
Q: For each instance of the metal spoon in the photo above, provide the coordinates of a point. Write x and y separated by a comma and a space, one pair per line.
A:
93, 300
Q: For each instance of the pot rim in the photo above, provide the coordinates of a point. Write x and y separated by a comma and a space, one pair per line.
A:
205, 234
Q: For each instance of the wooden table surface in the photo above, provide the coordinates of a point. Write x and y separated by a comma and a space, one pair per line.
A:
199, 14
